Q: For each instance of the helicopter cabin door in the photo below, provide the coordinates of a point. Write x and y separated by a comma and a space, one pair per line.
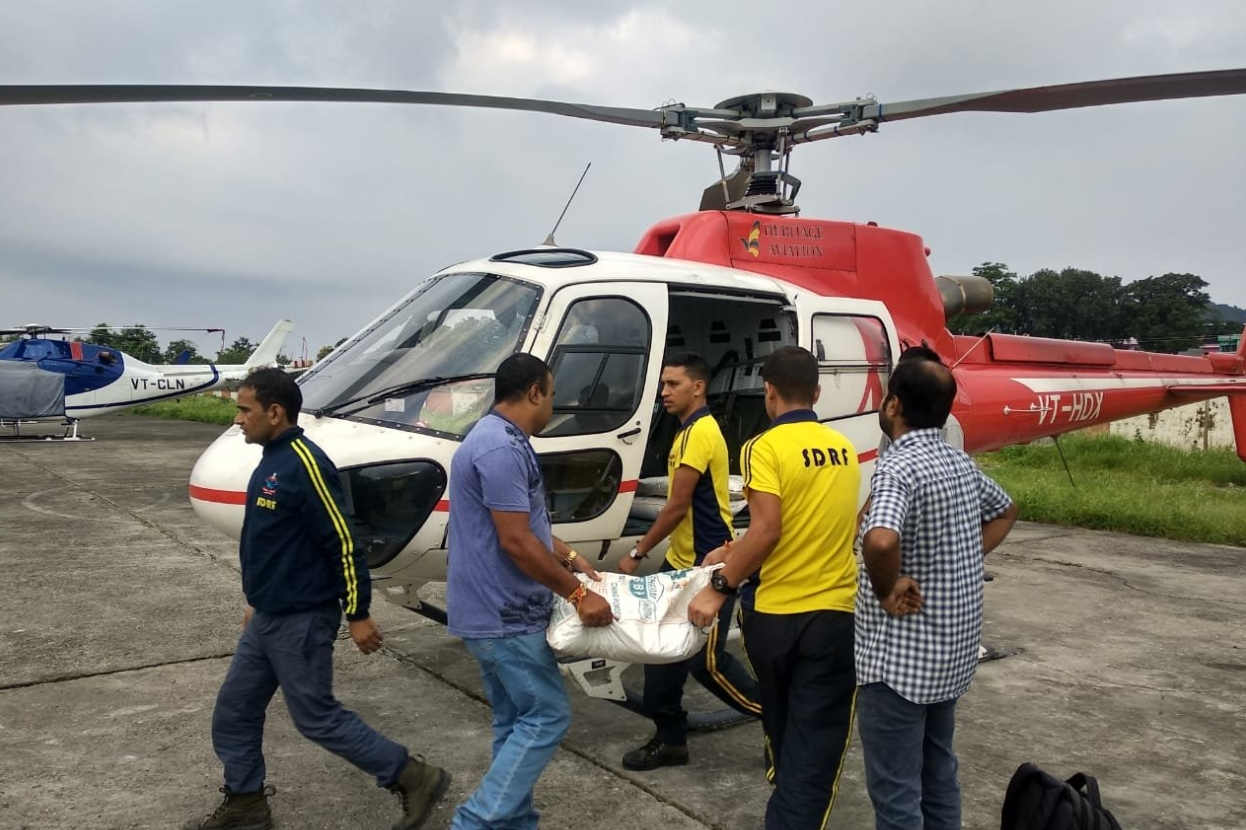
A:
598, 339
855, 343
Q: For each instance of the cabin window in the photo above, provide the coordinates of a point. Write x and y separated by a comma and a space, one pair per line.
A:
580, 485
598, 364
40, 350
854, 362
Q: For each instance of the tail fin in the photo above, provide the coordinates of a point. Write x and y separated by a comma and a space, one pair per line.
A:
1237, 408
1237, 413
266, 353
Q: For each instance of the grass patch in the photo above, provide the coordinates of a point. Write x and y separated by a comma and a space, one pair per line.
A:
206, 408
1141, 488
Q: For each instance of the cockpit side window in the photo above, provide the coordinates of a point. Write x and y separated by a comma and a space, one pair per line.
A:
599, 365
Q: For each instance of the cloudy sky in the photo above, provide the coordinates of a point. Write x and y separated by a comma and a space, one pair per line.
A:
233, 215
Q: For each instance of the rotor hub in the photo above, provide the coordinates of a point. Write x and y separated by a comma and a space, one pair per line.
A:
765, 104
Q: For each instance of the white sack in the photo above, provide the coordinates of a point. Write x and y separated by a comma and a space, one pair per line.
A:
651, 619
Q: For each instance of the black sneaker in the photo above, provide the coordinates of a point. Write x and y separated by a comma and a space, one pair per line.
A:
420, 786
656, 754
239, 811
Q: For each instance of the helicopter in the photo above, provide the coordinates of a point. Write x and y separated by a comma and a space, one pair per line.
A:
42, 377
735, 280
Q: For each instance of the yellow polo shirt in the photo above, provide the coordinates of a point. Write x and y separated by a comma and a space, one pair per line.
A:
699, 444
813, 469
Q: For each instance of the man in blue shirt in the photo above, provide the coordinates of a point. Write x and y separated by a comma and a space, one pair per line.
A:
301, 569
933, 516
504, 565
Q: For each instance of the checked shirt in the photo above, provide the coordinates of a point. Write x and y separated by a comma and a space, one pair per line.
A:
937, 499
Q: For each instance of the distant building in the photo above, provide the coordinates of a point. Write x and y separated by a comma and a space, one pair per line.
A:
1221, 343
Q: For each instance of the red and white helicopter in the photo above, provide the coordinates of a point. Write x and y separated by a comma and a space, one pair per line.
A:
739, 278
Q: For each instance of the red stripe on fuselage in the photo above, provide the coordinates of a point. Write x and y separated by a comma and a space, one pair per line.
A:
218, 496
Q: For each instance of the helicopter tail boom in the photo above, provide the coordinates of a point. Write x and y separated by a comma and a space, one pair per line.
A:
1015, 389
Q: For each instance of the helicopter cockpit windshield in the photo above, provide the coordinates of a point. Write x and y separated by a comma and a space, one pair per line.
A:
428, 363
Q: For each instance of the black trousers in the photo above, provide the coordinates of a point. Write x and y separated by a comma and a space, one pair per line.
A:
714, 668
804, 664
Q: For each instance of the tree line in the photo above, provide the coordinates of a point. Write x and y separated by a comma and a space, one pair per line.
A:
141, 343
1168, 313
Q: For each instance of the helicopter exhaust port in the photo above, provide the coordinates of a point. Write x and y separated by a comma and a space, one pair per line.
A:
965, 295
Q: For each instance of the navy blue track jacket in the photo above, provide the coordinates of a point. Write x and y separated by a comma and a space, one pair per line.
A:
298, 549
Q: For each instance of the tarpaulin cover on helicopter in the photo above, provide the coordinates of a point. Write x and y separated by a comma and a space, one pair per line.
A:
26, 391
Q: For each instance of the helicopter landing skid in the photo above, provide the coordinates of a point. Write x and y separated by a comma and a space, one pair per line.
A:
16, 437
601, 678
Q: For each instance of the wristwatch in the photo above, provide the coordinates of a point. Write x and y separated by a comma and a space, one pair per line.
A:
635, 553
719, 583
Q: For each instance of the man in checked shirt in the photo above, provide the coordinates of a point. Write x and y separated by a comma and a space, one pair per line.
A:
933, 516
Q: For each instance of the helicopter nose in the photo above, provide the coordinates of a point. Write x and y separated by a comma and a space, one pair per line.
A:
218, 481
389, 500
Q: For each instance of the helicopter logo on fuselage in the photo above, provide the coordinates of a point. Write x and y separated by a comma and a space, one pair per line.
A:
752, 242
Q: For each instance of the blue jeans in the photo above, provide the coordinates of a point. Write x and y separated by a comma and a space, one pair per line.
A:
910, 768
295, 652
531, 714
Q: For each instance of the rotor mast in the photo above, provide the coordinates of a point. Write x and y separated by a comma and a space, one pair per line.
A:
761, 129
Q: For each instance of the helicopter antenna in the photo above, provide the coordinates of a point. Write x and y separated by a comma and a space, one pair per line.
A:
976, 344
549, 240
1067, 471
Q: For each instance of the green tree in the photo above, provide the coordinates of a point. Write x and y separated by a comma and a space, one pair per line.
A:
175, 349
324, 350
283, 359
138, 342
141, 342
1001, 317
102, 335
238, 352
1072, 304
1167, 313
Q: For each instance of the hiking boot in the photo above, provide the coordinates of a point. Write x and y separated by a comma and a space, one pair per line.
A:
656, 754
239, 811
420, 786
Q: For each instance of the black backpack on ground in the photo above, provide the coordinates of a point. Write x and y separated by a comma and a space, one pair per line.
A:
1036, 800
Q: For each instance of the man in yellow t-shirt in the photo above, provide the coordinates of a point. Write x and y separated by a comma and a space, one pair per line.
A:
802, 481
698, 520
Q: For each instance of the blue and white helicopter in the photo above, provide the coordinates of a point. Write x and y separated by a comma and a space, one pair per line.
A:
42, 378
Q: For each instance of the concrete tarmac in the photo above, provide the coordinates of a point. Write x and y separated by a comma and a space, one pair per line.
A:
121, 610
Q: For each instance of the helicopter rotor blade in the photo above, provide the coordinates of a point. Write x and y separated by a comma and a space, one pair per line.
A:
1071, 96
36, 328
162, 93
